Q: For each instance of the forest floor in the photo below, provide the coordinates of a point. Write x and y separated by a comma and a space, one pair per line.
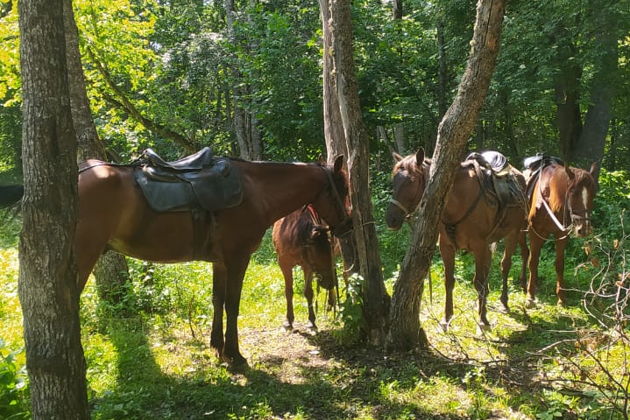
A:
149, 357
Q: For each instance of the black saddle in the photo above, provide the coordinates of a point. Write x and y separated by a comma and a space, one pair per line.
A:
540, 160
194, 162
197, 182
535, 165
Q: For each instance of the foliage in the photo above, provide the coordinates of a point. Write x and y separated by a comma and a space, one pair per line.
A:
13, 386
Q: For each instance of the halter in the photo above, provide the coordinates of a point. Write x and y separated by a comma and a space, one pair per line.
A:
408, 213
567, 208
338, 203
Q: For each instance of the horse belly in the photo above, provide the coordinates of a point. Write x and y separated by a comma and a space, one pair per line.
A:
159, 237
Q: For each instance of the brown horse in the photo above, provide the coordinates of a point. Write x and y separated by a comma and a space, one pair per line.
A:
113, 213
470, 221
560, 202
302, 239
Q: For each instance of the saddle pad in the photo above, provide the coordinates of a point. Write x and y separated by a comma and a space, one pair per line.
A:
214, 188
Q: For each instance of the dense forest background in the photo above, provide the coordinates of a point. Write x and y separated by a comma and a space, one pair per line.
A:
175, 76
245, 77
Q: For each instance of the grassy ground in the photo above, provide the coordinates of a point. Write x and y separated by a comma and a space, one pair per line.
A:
153, 360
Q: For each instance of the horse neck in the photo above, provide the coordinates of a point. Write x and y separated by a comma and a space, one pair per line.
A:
281, 188
558, 185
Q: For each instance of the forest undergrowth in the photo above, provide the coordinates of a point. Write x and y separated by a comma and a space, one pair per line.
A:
149, 356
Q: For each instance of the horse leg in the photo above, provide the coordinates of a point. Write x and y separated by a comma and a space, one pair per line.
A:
448, 258
560, 246
287, 273
522, 241
308, 294
89, 245
536, 244
482, 266
219, 281
506, 264
236, 271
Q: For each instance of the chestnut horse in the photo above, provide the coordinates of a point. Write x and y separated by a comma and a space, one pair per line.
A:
560, 203
302, 239
470, 221
113, 213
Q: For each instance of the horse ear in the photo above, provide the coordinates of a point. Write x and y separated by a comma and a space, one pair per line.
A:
420, 157
338, 163
594, 168
397, 157
569, 172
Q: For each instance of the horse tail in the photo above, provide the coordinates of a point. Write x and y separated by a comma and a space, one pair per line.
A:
10, 195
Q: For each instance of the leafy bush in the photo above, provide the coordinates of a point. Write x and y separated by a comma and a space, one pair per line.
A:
13, 386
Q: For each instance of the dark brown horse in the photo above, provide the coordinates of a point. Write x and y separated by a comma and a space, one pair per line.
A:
471, 220
302, 239
560, 203
113, 213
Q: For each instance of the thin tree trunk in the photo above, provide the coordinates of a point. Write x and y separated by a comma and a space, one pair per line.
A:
375, 299
111, 271
48, 289
404, 327
333, 129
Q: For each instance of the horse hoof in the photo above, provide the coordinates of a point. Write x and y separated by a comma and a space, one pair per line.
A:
312, 329
235, 363
530, 303
287, 327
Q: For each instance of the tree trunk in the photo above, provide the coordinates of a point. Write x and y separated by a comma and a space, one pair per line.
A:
375, 299
590, 145
48, 289
405, 332
567, 85
333, 128
111, 271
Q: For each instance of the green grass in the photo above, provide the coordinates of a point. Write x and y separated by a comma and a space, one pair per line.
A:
154, 362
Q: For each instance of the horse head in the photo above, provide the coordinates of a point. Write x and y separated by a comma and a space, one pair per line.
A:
318, 254
580, 193
409, 179
332, 202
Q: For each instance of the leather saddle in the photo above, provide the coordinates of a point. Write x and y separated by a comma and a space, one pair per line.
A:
491, 160
200, 181
497, 178
534, 166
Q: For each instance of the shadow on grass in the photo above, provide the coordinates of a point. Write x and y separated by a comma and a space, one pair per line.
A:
143, 390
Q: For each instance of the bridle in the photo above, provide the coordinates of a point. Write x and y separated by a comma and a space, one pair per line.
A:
345, 226
574, 217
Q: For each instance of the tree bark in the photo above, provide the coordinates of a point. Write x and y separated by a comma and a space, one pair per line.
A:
375, 299
111, 271
405, 332
48, 288
567, 86
590, 145
333, 128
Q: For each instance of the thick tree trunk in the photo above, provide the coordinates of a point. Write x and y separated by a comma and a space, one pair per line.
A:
404, 327
111, 271
375, 298
48, 290
590, 145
